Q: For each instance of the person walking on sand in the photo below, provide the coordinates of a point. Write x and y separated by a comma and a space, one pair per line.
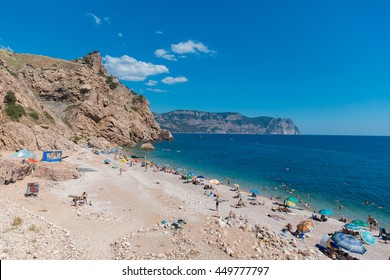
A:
217, 201
120, 171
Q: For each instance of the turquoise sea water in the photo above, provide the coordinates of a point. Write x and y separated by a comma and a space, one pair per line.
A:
333, 170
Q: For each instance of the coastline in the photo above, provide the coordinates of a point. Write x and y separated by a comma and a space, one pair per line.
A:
333, 170
124, 220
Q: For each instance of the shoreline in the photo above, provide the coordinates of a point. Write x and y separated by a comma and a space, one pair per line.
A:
344, 191
126, 211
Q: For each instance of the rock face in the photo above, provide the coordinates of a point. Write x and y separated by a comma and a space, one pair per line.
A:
182, 121
65, 100
12, 170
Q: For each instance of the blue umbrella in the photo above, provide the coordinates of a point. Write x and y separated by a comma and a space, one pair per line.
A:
348, 242
107, 160
367, 237
179, 169
191, 174
254, 191
326, 212
352, 226
201, 177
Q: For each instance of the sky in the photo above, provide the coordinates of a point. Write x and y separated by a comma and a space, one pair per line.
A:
325, 64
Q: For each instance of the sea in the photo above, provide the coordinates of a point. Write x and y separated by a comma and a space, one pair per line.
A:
323, 171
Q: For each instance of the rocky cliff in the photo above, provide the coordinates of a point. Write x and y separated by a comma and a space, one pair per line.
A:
183, 121
48, 103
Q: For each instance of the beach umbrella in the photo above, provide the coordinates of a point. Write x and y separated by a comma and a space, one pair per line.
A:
189, 177
349, 243
293, 199
179, 169
324, 241
192, 174
201, 177
326, 212
367, 237
360, 223
351, 226
214, 181
254, 191
236, 185
305, 226
291, 203
107, 161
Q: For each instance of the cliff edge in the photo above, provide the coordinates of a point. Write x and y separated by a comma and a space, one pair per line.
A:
49, 103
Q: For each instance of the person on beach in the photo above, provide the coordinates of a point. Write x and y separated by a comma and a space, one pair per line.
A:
120, 171
217, 201
372, 222
228, 181
240, 203
340, 207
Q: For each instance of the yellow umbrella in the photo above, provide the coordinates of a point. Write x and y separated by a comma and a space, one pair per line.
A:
291, 203
214, 181
236, 185
305, 226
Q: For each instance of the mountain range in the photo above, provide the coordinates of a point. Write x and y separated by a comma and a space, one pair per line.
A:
190, 121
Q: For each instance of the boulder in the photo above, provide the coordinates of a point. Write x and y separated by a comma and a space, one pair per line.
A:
147, 146
13, 169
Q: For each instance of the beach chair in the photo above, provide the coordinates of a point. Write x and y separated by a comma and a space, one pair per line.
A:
32, 189
383, 234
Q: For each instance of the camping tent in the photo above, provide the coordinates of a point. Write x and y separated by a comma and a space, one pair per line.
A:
23, 154
52, 156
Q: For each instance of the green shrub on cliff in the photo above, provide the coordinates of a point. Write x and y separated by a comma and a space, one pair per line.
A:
110, 81
10, 97
34, 115
13, 110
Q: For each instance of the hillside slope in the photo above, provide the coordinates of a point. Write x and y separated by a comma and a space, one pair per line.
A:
48, 103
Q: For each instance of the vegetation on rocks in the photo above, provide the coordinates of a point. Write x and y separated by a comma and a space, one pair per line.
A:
13, 110
110, 81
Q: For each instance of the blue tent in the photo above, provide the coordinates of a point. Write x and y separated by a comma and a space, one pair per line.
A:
52, 156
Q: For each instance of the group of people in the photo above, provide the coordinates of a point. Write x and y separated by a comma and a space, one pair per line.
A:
321, 218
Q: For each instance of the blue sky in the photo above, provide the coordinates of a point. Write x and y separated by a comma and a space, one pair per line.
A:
325, 64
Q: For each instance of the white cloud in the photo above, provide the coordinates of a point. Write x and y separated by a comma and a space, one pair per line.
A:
156, 90
129, 69
120, 34
190, 47
8, 48
95, 18
164, 54
172, 80
159, 32
151, 83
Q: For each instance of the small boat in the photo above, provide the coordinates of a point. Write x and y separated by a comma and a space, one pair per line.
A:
138, 156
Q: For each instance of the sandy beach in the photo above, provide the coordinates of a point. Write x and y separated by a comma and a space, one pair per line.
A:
125, 219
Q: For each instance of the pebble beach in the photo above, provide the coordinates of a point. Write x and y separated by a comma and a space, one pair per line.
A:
130, 216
